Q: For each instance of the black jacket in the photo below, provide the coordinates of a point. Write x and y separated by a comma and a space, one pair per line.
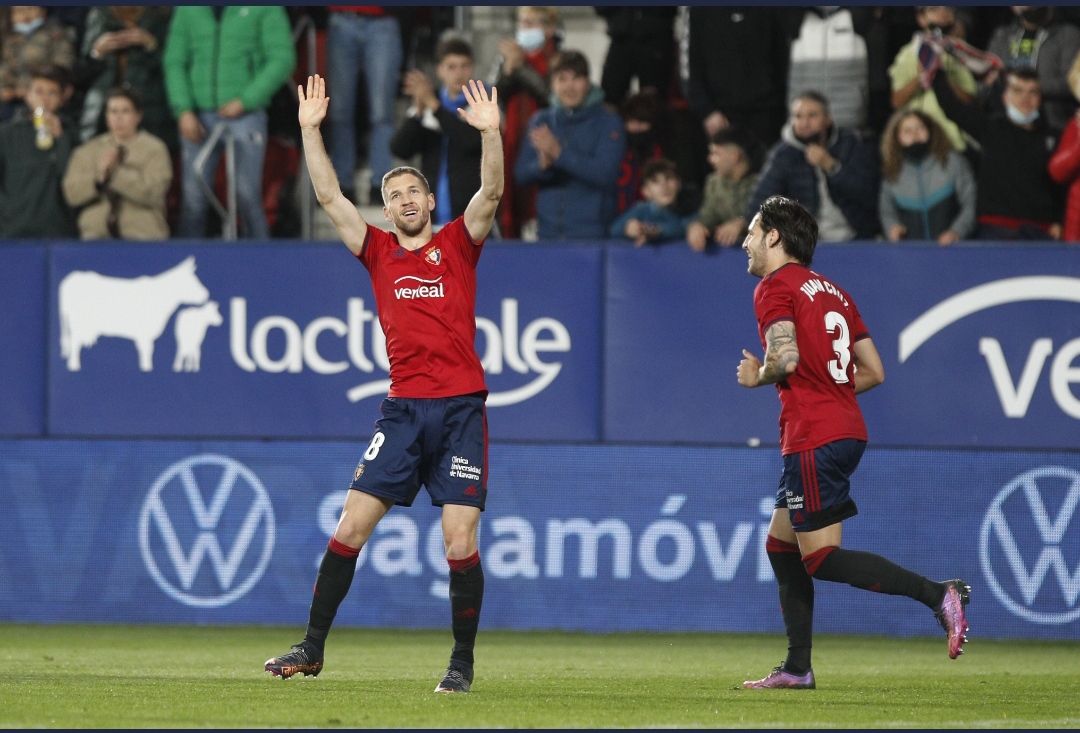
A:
1012, 180
462, 157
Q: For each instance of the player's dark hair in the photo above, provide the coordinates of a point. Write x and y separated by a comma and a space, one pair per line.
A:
453, 47
797, 229
403, 170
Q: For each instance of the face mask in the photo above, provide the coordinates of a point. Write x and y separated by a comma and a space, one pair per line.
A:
28, 28
1019, 118
530, 38
916, 152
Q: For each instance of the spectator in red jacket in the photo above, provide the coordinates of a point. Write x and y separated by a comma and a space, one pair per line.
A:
1064, 164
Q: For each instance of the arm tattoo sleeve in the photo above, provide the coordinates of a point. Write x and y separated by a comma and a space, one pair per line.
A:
781, 352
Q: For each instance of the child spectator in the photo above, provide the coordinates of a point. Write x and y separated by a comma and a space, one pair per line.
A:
449, 147
735, 157
655, 219
34, 152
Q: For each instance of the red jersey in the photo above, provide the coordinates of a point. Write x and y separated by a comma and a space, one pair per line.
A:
427, 307
817, 402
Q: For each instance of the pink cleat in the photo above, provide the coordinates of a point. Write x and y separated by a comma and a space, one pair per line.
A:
951, 615
779, 679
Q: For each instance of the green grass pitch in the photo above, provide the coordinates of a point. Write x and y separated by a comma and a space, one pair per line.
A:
157, 677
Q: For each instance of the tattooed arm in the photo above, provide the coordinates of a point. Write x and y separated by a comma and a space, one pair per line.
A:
781, 357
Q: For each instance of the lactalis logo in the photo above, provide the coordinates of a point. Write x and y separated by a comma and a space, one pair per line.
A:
506, 347
1029, 545
206, 510
1014, 395
138, 309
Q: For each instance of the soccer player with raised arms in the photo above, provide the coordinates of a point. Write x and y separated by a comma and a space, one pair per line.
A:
819, 354
433, 428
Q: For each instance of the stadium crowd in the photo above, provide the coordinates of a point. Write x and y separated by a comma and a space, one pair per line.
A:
927, 123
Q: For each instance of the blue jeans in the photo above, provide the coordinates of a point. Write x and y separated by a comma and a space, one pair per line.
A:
249, 132
373, 45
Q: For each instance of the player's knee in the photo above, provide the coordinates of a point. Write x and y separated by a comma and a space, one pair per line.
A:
459, 545
813, 561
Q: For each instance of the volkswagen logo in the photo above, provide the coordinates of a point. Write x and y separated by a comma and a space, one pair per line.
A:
1029, 546
206, 531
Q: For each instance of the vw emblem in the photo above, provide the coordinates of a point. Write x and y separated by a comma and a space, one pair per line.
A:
1031, 557
206, 510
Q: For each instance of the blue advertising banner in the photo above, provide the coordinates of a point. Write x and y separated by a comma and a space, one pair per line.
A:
981, 345
22, 331
598, 538
284, 341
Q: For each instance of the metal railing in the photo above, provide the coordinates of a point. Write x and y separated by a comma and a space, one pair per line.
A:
305, 26
227, 212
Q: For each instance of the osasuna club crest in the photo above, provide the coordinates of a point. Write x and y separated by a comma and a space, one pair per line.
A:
434, 256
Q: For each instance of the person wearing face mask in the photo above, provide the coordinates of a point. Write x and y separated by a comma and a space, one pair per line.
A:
927, 188
31, 41
831, 170
523, 81
1016, 198
929, 54
1037, 40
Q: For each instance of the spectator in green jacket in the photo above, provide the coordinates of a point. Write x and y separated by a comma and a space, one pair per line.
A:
222, 66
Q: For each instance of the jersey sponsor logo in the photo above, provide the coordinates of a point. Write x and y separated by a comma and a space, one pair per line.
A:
1029, 545
206, 531
93, 305
1014, 395
412, 287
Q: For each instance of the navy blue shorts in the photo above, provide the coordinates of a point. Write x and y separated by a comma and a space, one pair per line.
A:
816, 483
440, 443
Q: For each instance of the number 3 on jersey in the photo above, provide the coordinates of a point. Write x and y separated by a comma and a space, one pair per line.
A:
373, 448
837, 327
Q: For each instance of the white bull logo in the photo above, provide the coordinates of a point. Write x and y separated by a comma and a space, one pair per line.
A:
93, 305
190, 330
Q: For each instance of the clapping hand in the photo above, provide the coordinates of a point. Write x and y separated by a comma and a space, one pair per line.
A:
313, 104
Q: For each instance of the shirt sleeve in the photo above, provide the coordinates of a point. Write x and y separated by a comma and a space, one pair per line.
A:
773, 303
859, 331
374, 242
457, 235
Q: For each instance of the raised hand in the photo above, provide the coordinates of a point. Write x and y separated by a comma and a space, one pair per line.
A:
482, 113
314, 103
